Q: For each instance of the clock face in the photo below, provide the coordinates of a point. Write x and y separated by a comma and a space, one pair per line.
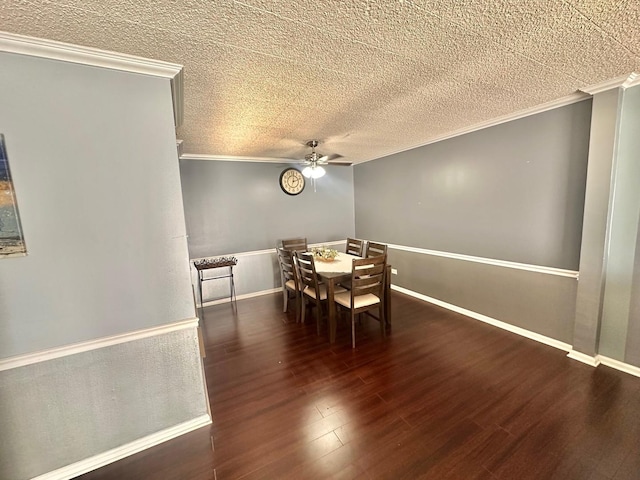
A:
291, 181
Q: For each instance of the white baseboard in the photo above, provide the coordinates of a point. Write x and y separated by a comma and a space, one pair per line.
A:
242, 297
618, 365
552, 342
110, 456
593, 361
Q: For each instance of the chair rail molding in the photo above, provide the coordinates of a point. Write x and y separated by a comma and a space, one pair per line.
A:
490, 261
63, 351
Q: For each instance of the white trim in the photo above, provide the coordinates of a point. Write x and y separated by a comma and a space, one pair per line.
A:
232, 158
490, 261
177, 97
560, 102
618, 365
270, 251
625, 81
584, 358
632, 81
241, 297
50, 354
552, 342
113, 455
66, 52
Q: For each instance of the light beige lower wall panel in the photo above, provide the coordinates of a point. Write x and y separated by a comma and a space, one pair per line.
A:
62, 411
539, 302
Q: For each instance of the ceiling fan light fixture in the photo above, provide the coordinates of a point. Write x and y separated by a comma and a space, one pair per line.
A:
317, 172
314, 171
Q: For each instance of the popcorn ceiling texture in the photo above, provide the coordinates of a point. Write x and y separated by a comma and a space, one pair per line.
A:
366, 78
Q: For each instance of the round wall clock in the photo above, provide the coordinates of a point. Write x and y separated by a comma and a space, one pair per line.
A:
291, 181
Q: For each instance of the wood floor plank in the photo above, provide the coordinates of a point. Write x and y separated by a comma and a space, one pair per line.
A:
441, 397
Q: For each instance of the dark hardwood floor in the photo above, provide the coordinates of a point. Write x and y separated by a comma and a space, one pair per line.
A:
442, 397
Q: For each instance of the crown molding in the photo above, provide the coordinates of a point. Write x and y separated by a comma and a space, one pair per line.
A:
232, 158
625, 81
66, 52
632, 80
560, 102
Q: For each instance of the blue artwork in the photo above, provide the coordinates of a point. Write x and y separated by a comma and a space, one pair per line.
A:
11, 240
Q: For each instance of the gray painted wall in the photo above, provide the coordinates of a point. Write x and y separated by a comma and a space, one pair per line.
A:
593, 259
511, 192
632, 351
623, 229
95, 167
537, 302
234, 207
93, 157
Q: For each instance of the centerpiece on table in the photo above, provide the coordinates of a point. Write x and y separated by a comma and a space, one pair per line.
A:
324, 254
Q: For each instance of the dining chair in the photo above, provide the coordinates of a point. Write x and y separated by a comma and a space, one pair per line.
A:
367, 291
375, 249
295, 244
312, 290
290, 282
354, 247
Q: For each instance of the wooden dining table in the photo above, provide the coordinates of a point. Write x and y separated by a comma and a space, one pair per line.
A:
331, 272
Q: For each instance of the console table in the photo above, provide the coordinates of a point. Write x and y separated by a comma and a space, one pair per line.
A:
202, 266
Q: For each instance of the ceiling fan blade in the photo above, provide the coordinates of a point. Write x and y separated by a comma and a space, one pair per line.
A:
335, 160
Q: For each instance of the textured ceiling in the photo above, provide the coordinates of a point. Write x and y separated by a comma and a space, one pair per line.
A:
366, 78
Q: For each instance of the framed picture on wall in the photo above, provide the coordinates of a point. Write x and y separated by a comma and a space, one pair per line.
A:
11, 239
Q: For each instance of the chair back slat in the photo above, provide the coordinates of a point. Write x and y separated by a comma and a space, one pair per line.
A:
367, 276
354, 247
287, 266
307, 271
295, 244
375, 249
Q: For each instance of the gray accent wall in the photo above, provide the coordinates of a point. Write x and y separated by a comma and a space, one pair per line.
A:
632, 351
593, 260
537, 302
622, 231
513, 192
234, 207
94, 162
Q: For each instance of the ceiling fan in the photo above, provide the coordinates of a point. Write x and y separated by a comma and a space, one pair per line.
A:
314, 161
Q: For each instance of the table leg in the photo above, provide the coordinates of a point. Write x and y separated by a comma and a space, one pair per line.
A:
387, 299
332, 310
200, 291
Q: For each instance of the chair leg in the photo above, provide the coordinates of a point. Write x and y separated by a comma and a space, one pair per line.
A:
303, 308
353, 330
318, 315
383, 320
285, 298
